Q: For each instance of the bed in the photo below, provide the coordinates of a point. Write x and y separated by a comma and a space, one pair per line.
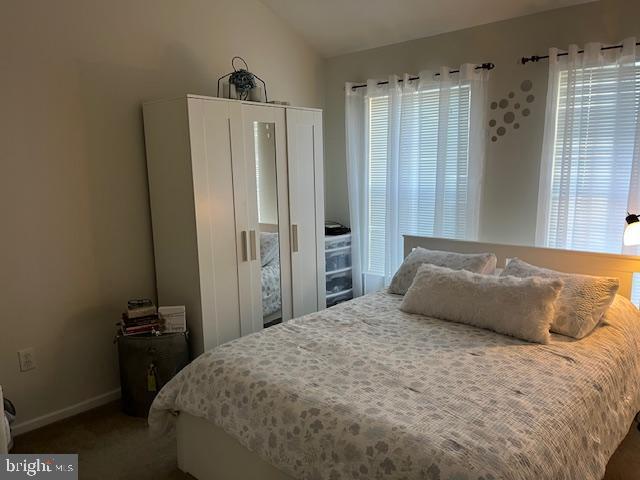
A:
364, 390
271, 300
270, 275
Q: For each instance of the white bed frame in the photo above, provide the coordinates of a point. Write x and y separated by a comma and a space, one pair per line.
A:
208, 453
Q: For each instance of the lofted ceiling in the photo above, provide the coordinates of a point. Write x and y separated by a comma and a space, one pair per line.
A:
335, 27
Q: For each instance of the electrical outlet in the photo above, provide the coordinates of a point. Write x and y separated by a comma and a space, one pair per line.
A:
27, 359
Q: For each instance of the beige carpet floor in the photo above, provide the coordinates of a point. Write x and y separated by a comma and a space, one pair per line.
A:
112, 445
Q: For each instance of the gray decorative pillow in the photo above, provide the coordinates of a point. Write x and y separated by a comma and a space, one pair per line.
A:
473, 262
519, 307
582, 302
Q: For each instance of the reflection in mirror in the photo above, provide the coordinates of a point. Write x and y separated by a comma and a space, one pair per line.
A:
267, 194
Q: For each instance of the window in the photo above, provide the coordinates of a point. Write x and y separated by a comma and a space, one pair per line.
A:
425, 190
259, 170
593, 154
415, 161
377, 183
591, 150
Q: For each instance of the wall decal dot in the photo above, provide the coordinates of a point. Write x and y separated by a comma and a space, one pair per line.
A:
526, 85
514, 103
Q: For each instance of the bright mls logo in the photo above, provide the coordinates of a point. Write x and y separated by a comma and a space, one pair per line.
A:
15, 466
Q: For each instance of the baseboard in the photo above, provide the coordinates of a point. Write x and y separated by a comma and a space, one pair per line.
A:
70, 411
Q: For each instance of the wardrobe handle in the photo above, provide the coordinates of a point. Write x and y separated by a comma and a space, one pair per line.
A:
294, 237
245, 245
254, 245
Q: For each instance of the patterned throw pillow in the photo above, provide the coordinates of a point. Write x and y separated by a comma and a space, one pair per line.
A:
582, 302
472, 262
519, 307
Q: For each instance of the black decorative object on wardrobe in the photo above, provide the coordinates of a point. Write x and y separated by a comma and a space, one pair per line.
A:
243, 83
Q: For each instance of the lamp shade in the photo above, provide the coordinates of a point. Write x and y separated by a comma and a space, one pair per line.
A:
632, 232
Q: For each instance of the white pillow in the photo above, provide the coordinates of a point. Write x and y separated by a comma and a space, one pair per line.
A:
473, 262
582, 302
520, 307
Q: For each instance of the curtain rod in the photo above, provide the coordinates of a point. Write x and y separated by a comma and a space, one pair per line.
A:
537, 58
484, 66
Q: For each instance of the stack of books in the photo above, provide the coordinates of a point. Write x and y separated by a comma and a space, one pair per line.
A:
141, 317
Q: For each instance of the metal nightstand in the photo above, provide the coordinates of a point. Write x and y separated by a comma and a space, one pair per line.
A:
147, 363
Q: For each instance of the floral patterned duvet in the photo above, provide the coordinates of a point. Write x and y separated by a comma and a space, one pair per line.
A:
271, 298
365, 391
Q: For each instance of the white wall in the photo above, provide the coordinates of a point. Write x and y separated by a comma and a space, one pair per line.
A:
75, 242
511, 185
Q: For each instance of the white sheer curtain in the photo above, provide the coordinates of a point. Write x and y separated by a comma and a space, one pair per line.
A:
591, 152
415, 160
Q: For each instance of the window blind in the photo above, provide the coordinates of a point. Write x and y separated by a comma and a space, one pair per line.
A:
432, 170
593, 156
259, 172
377, 183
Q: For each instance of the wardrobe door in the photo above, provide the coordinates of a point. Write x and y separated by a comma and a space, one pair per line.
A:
188, 146
306, 209
211, 144
266, 285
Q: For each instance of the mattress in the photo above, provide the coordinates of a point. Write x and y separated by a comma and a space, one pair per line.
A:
363, 390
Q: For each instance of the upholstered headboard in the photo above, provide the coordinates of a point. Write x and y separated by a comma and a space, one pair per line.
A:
604, 264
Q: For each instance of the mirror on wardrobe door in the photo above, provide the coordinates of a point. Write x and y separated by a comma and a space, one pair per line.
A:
267, 195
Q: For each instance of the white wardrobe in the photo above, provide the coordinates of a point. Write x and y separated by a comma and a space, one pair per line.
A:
237, 207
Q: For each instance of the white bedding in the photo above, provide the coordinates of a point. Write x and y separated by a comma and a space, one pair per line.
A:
271, 298
270, 275
363, 390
